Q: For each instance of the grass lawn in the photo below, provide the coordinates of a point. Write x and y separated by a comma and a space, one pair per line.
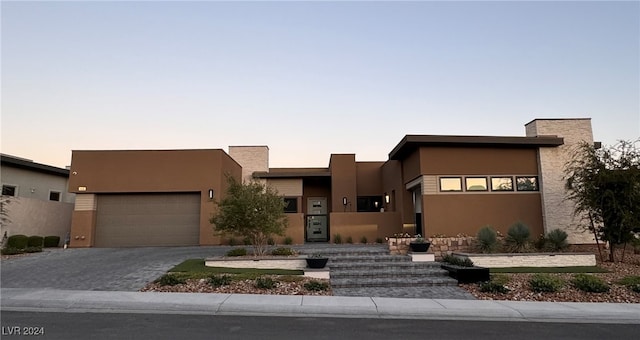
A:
588, 269
196, 266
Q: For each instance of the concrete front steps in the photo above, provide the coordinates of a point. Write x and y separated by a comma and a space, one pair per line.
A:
385, 271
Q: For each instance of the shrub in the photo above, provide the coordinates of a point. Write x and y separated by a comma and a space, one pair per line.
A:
545, 283
316, 286
11, 251
363, 240
590, 283
219, 280
487, 240
33, 249
35, 241
541, 243
271, 241
379, 240
237, 252
232, 241
51, 241
265, 283
282, 251
517, 239
349, 240
17, 241
631, 282
493, 287
170, 280
556, 240
288, 240
457, 261
337, 239
246, 241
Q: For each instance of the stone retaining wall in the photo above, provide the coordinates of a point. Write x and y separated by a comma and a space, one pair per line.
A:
440, 246
296, 263
531, 260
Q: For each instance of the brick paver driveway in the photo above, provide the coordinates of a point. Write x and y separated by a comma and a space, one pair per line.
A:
124, 269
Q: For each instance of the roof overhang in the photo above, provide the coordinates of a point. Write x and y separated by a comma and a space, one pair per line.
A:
29, 165
410, 143
293, 173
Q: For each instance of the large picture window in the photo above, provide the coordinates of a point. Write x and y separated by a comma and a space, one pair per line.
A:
450, 184
528, 183
501, 184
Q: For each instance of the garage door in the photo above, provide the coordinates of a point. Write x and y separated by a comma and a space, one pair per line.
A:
130, 220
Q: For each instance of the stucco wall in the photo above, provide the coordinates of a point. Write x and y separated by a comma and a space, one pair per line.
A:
35, 217
372, 225
31, 184
557, 210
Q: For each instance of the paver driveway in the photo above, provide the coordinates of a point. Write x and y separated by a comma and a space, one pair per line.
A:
124, 269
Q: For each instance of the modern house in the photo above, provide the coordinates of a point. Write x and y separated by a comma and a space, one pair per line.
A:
38, 200
430, 185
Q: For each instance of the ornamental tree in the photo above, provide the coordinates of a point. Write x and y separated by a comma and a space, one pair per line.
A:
605, 186
251, 210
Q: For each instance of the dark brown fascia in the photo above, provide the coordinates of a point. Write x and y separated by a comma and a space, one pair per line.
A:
29, 165
411, 142
292, 173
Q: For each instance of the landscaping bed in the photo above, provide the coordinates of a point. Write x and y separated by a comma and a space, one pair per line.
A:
519, 287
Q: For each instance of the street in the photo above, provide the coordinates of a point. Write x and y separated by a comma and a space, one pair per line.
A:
181, 326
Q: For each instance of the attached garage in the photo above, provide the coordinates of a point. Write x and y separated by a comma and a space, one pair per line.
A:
133, 220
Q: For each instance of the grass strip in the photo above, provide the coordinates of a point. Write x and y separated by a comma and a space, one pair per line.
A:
581, 269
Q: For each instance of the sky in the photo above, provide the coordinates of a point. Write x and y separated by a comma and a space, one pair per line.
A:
308, 78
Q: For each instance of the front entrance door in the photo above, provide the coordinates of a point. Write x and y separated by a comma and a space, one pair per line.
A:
317, 220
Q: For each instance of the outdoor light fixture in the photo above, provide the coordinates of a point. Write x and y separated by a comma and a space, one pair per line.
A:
387, 199
210, 194
344, 201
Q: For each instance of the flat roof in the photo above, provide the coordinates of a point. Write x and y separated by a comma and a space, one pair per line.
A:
410, 143
293, 173
26, 164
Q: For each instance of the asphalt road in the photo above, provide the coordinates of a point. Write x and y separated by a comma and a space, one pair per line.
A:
164, 326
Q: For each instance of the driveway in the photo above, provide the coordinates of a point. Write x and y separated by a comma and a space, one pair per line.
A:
117, 269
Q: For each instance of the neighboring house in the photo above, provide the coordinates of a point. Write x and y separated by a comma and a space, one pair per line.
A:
39, 202
430, 185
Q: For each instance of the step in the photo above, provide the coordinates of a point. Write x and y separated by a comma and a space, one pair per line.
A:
381, 266
365, 274
393, 282
366, 258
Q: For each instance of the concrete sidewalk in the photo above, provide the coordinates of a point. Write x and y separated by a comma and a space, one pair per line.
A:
53, 300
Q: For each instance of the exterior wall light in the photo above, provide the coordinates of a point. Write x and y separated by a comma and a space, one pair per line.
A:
344, 201
210, 194
387, 198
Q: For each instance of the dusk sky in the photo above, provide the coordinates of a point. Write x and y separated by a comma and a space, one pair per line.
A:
308, 78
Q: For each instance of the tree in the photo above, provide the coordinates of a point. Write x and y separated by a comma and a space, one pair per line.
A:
251, 210
605, 186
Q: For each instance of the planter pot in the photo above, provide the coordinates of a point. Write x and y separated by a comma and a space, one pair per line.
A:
419, 247
467, 274
317, 262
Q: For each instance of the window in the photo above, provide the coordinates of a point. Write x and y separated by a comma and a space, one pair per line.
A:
290, 204
450, 184
369, 203
476, 183
529, 183
54, 196
501, 184
8, 190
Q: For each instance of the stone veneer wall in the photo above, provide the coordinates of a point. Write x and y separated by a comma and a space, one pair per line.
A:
440, 246
556, 209
251, 159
